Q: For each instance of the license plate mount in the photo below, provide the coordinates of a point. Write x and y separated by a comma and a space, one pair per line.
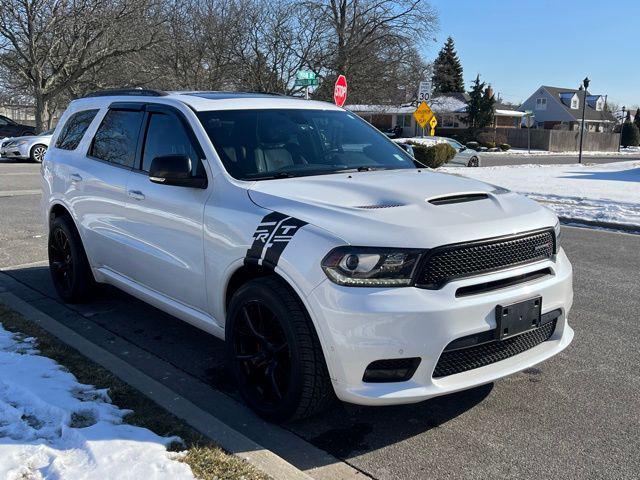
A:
517, 318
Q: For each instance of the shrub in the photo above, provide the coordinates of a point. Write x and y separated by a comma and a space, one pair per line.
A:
484, 137
473, 145
504, 147
490, 145
630, 135
433, 156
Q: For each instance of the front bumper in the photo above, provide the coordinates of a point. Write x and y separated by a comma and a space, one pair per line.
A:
361, 325
12, 151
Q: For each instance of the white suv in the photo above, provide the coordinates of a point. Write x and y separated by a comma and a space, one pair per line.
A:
308, 241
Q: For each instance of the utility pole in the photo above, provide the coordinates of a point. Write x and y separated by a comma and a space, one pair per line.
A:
624, 119
585, 84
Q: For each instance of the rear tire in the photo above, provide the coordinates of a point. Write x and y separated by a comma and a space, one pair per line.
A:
474, 162
37, 153
68, 264
274, 353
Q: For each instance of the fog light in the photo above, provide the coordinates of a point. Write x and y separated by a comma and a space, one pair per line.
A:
391, 370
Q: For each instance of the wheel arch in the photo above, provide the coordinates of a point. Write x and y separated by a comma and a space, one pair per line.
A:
37, 145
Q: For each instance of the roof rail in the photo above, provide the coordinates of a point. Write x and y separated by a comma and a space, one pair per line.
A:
120, 92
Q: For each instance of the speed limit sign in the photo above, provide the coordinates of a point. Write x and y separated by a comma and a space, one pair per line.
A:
424, 91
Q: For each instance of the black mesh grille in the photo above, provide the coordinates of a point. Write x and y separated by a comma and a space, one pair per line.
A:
458, 261
457, 361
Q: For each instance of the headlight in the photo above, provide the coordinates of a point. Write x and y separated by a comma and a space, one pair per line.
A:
371, 267
558, 233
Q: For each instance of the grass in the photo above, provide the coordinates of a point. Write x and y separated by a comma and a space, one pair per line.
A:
207, 460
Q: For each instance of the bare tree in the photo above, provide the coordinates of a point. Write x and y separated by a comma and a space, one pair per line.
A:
375, 43
49, 46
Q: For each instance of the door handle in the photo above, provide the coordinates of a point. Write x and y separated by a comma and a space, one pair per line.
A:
76, 177
136, 194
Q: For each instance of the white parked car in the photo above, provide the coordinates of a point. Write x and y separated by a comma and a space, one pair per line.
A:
308, 241
465, 157
30, 147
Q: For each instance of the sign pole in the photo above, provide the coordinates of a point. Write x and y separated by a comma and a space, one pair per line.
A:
306, 92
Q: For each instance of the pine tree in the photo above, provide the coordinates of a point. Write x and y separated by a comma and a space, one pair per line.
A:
636, 118
447, 70
475, 104
487, 112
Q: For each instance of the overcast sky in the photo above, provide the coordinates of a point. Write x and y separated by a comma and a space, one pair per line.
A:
518, 45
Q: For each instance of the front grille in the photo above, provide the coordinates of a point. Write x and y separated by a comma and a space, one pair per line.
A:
444, 264
463, 359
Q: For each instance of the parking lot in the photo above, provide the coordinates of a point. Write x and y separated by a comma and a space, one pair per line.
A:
575, 416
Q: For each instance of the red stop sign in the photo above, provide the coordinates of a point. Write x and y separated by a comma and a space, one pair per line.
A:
340, 91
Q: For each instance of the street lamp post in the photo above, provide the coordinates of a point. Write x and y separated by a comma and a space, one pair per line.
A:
621, 127
585, 84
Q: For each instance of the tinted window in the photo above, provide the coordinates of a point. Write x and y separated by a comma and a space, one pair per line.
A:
166, 135
3, 121
117, 137
74, 129
261, 144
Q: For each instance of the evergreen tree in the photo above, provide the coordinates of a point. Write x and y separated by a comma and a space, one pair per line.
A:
447, 70
480, 109
630, 135
636, 118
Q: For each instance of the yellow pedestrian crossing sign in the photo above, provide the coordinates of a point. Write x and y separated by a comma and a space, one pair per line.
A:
433, 123
423, 114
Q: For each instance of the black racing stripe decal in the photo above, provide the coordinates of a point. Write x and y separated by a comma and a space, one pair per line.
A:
273, 234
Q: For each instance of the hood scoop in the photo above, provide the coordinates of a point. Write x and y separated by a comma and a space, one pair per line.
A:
462, 198
380, 205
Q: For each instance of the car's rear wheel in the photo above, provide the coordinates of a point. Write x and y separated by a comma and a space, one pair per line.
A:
474, 162
37, 153
274, 353
68, 262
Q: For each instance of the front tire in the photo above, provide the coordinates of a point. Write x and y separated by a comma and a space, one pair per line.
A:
68, 264
37, 153
274, 353
474, 162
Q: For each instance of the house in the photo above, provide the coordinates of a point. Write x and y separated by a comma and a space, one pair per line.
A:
450, 110
557, 108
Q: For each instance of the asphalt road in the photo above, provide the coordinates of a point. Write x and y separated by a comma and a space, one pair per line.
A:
575, 416
492, 160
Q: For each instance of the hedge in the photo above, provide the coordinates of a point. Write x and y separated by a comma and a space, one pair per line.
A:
433, 156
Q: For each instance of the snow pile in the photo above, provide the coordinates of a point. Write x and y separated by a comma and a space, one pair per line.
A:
602, 193
524, 151
428, 141
51, 426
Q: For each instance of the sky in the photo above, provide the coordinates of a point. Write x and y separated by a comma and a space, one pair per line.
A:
518, 45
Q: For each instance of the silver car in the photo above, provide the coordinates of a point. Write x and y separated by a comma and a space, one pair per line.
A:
31, 147
465, 157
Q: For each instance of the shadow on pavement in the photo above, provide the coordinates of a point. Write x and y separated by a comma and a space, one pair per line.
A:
632, 175
344, 431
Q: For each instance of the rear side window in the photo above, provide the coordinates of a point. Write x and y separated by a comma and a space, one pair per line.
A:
74, 129
167, 136
117, 137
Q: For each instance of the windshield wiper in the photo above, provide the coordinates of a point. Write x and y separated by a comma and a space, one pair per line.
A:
272, 176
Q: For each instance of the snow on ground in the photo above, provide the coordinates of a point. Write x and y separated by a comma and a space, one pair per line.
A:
52, 427
524, 151
604, 193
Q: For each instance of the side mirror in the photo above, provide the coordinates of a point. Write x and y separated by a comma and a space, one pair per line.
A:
175, 170
462, 148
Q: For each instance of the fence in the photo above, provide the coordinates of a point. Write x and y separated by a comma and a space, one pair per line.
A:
551, 140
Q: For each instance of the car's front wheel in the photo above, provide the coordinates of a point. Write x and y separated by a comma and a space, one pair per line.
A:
37, 153
473, 162
274, 353
68, 264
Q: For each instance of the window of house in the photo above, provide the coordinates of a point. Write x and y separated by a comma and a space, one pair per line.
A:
117, 137
166, 135
73, 130
541, 103
575, 103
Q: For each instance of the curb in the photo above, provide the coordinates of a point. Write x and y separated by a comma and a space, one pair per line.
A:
578, 222
224, 436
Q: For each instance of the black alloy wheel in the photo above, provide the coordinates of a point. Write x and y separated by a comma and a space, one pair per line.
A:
473, 162
262, 353
68, 262
274, 353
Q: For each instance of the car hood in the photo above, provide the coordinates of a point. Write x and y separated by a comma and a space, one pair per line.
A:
393, 208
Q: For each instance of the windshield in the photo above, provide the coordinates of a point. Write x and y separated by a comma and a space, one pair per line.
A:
454, 144
280, 143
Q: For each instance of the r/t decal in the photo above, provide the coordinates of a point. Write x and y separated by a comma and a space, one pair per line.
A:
271, 237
